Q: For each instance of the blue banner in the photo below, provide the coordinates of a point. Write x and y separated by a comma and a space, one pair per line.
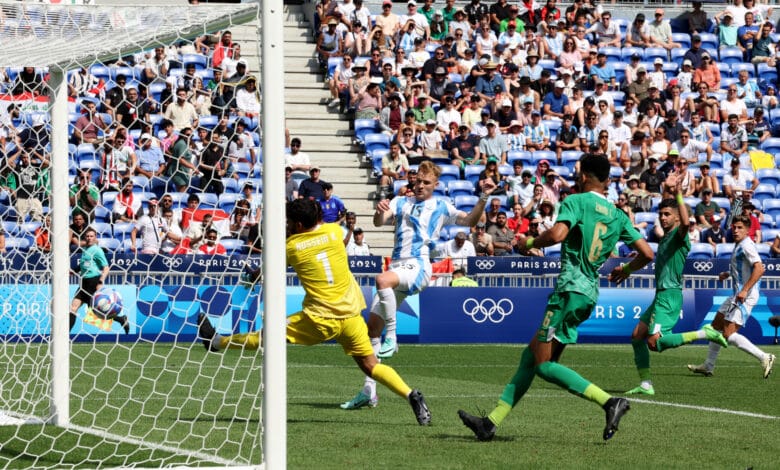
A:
513, 265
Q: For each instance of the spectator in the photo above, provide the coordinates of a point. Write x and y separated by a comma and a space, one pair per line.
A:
78, 228
697, 19
213, 166
333, 209
749, 210
82, 83
706, 180
195, 232
493, 145
491, 171
482, 241
733, 104
297, 160
490, 84
553, 185
127, 206
715, 234
459, 249
182, 113
29, 193
695, 53
248, 99
391, 116
89, 125
660, 32
180, 167
567, 138
388, 21
589, 133
329, 43
464, 149
608, 33
408, 189
651, 179
531, 208
241, 220
34, 138
173, 236
703, 106
151, 162
311, 187
537, 134
490, 216
152, 227
84, 196
737, 181
42, 236
763, 47
707, 208
212, 246
638, 34
707, 72
430, 140
546, 215
504, 240
133, 113
357, 246
690, 149
556, 103
394, 168
733, 139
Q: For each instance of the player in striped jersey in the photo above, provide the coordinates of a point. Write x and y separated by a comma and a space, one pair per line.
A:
417, 222
745, 270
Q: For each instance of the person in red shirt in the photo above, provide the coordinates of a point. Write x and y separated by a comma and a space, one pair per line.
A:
212, 246
517, 223
223, 49
754, 232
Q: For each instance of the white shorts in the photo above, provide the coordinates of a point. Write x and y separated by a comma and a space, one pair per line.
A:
413, 275
737, 313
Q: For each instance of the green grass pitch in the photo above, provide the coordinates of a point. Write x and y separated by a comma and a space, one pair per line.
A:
730, 420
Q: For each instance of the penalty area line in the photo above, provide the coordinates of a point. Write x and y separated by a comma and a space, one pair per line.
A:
704, 408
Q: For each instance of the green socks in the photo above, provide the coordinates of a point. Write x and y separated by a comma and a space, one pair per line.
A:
516, 387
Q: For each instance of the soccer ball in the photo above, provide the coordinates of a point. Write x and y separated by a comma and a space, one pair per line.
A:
107, 303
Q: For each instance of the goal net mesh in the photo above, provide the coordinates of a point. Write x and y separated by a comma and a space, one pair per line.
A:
153, 396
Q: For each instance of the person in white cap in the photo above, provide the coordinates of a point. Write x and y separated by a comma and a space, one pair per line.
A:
151, 161
657, 77
421, 26
556, 103
430, 139
685, 77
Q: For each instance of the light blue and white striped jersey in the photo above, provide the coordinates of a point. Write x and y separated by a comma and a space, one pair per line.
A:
741, 266
417, 224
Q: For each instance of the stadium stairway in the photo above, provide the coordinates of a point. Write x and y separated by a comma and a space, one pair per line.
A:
325, 135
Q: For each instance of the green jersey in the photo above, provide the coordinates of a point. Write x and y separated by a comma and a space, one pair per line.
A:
595, 227
92, 261
670, 260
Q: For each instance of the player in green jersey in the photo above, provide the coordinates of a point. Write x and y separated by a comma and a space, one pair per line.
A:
654, 329
589, 227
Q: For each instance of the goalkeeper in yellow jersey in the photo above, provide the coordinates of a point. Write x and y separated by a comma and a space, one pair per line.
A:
331, 307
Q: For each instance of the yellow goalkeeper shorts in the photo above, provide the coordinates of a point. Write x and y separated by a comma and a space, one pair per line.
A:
351, 333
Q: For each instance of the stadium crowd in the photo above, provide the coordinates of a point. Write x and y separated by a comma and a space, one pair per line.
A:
517, 92
164, 152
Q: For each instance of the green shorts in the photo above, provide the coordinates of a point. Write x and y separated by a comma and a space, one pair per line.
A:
565, 311
664, 312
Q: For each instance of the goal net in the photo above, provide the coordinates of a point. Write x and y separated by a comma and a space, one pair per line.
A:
138, 126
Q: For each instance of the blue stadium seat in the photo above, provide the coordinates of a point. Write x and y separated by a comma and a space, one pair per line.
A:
767, 224
460, 188
771, 145
770, 235
449, 173
465, 203
736, 68
122, 230
333, 62
768, 176
540, 155
472, 173
767, 73
103, 229
670, 70
209, 121
28, 228
102, 214
201, 61
731, 55
547, 64
553, 126
725, 82
553, 251
140, 183
364, 127
648, 217
764, 250
231, 185
505, 170
764, 192
226, 201
210, 200
21, 244
100, 71
440, 190
620, 71
613, 53
724, 250
453, 230
87, 152
377, 141
522, 155
234, 246
110, 244
652, 53
772, 208
10, 228
683, 39
701, 251
627, 52
716, 161
569, 158
709, 41
677, 56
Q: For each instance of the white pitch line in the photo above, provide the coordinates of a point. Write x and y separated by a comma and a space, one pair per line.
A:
705, 408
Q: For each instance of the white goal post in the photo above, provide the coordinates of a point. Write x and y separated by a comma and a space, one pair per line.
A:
31, 39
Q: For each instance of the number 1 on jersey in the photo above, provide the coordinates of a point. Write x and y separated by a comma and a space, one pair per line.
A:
322, 257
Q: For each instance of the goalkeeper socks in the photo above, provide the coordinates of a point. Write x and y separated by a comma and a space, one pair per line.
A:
744, 344
387, 310
388, 377
571, 381
251, 341
674, 340
712, 356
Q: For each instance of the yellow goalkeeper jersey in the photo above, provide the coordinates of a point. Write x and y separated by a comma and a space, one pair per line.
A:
320, 259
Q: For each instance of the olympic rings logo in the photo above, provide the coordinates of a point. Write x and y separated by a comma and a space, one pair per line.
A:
488, 309
484, 264
172, 262
702, 265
